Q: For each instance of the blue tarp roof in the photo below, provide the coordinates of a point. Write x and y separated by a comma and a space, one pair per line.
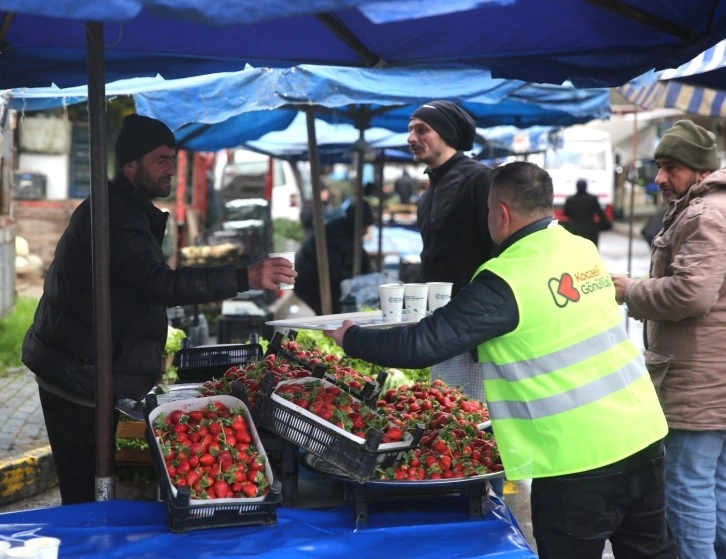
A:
212, 112
334, 141
590, 43
383, 98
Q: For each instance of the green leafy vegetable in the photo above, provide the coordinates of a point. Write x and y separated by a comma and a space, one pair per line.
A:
174, 339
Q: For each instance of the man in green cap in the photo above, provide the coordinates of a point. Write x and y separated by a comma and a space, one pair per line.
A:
684, 305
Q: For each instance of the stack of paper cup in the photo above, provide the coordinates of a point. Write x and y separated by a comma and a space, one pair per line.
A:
46, 547
439, 293
415, 300
391, 299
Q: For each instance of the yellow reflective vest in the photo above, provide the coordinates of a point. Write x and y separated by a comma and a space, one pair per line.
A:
567, 391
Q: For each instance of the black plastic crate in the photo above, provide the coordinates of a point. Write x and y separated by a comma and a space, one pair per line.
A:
358, 458
199, 364
237, 329
427, 492
185, 514
370, 391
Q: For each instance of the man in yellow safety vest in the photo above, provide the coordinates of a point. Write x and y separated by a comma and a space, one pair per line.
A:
571, 402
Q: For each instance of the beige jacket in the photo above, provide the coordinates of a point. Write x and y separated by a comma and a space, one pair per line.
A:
684, 304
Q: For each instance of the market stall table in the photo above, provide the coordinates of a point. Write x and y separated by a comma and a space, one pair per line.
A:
137, 529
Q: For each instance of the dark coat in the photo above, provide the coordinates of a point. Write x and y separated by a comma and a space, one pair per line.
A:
586, 216
452, 217
59, 346
339, 235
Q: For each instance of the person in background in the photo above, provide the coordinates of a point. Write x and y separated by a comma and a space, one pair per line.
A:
565, 386
306, 213
340, 238
451, 215
59, 345
683, 304
404, 187
586, 216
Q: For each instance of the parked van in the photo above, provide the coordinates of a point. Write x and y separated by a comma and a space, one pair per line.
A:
250, 175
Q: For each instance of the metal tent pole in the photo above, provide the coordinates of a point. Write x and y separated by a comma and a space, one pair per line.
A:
101, 263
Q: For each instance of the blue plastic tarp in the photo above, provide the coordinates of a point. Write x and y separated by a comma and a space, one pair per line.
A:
211, 112
212, 100
123, 529
541, 42
383, 98
334, 141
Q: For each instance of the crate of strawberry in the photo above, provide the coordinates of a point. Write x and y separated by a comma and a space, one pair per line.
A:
330, 423
449, 450
251, 376
361, 386
421, 402
210, 464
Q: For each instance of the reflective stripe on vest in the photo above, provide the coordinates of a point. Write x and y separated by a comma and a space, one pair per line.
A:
585, 349
571, 399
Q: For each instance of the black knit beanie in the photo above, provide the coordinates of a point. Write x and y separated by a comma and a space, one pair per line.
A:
455, 126
692, 145
139, 135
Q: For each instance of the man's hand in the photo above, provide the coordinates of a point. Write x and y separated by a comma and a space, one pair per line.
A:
621, 282
266, 274
338, 334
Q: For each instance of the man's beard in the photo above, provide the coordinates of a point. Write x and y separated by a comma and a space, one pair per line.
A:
150, 187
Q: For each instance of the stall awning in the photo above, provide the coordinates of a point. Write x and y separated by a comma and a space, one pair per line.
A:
690, 99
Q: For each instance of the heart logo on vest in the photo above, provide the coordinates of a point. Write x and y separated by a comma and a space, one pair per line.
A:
563, 290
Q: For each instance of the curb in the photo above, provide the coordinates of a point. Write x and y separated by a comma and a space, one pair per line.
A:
27, 475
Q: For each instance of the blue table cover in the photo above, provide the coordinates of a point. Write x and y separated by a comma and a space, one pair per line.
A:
138, 530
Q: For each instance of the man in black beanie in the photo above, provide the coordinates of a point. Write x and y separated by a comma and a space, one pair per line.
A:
683, 304
59, 345
452, 214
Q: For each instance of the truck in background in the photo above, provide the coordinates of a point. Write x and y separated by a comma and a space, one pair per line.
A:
580, 153
244, 174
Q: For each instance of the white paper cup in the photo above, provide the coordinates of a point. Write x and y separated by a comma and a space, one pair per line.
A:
391, 299
46, 547
22, 551
4, 546
439, 293
415, 300
287, 256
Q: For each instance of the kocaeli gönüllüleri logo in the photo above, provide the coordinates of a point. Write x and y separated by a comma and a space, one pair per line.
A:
568, 288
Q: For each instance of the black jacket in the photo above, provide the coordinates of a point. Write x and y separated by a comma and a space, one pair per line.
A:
482, 310
339, 236
452, 217
59, 346
586, 216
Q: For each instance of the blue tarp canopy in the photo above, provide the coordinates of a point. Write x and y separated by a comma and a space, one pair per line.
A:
591, 43
334, 141
218, 111
697, 87
212, 113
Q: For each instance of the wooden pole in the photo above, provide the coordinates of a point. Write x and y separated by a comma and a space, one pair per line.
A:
321, 245
101, 262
